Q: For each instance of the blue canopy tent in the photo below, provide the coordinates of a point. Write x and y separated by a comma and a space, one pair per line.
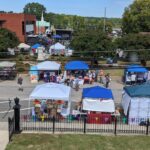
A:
97, 92
33, 70
33, 74
76, 65
35, 46
138, 69
56, 36
98, 99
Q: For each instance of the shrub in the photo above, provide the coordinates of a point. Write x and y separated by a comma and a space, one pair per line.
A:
20, 69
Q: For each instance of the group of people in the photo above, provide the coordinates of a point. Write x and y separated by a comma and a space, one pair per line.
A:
134, 78
52, 77
47, 109
87, 76
90, 77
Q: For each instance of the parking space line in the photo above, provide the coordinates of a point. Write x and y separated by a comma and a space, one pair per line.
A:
2, 112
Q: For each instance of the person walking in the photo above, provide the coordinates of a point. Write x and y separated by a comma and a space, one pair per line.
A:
107, 78
20, 81
9, 104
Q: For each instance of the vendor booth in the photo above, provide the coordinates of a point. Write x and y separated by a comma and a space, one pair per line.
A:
7, 70
51, 99
57, 49
135, 72
136, 103
77, 69
23, 46
99, 103
47, 70
35, 47
34, 74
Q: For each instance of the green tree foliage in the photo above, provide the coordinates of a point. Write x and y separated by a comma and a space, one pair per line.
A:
78, 22
136, 17
35, 9
91, 40
133, 42
7, 40
70, 21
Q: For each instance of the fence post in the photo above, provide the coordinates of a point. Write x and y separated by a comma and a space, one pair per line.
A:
17, 115
115, 130
147, 126
84, 125
53, 124
9, 127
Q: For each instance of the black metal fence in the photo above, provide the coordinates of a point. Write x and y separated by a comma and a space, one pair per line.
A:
11, 127
86, 124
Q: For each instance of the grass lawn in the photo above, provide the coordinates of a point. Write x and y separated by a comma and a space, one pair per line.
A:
114, 72
77, 142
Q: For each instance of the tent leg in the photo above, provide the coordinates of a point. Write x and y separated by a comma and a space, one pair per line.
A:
29, 107
69, 106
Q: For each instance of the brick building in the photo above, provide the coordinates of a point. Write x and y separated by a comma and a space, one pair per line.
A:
21, 24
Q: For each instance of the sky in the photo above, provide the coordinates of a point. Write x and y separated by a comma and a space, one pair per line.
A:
90, 8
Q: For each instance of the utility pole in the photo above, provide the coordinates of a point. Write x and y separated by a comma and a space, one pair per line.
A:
104, 28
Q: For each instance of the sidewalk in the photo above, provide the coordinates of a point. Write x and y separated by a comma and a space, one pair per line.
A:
3, 135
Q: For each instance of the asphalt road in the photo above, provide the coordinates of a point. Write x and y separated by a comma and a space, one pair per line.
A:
9, 90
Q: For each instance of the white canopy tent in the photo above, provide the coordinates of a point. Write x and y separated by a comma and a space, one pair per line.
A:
136, 108
24, 46
136, 103
52, 91
48, 65
57, 48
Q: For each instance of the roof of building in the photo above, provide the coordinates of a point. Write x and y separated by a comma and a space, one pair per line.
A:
42, 24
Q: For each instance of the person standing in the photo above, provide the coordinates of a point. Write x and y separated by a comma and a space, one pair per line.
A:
45, 76
93, 75
107, 78
20, 81
133, 78
101, 74
90, 77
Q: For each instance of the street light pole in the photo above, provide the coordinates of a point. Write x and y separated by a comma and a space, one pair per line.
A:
104, 20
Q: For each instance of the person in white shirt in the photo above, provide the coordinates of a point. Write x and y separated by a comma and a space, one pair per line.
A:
90, 77
133, 78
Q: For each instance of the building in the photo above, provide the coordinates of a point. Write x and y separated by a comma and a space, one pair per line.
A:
66, 34
21, 24
42, 26
116, 32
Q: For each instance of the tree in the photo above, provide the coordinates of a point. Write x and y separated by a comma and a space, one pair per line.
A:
136, 17
133, 42
8, 39
91, 40
34, 9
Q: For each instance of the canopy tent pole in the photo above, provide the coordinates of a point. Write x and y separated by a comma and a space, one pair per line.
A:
69, 106
29, 106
